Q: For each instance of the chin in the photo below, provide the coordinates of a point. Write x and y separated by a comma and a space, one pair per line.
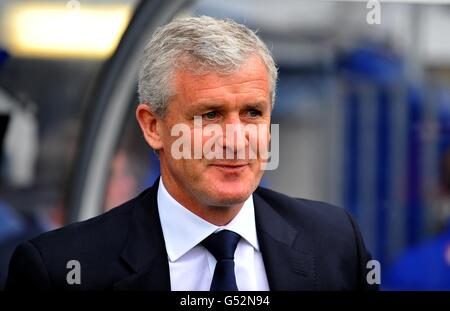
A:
227, 201
225, 194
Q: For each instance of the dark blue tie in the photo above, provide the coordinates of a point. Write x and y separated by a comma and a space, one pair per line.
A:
222, 246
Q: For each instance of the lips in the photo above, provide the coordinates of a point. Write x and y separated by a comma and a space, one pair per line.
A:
230, 166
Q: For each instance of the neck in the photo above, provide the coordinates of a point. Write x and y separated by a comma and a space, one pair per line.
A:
216, 215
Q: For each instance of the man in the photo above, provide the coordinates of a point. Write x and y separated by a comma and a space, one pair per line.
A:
205, 224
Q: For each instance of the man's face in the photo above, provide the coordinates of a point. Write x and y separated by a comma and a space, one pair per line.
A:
238, 99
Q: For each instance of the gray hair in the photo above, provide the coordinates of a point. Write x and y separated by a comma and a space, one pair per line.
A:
210, 44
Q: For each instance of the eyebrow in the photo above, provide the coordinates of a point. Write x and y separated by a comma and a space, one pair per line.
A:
260, 105
210, 105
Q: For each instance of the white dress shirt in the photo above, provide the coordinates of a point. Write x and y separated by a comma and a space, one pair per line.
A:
191, 266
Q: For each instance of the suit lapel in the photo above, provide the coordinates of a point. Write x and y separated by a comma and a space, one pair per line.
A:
287, 252
145, 252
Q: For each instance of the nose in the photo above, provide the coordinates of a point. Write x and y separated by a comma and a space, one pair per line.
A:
235, 140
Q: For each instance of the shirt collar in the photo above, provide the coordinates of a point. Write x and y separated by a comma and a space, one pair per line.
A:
183, 230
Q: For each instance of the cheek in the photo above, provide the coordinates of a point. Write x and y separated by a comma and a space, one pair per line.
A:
167, 138
259, 142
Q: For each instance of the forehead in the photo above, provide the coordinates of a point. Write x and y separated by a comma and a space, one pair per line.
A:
250, 78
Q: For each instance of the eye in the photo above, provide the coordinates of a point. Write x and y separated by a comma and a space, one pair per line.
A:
211, 115
253, 113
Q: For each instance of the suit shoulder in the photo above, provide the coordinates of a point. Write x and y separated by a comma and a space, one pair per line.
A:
95, 231
96, 244
326, 231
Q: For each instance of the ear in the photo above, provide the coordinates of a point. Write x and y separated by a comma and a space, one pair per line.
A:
150, 127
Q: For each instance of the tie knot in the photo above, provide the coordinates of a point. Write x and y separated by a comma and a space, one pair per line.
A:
222, 244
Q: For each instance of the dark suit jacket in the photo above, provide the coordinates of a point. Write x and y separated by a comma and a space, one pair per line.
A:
306, 245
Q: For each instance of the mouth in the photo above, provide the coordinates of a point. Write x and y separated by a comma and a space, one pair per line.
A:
230, 167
